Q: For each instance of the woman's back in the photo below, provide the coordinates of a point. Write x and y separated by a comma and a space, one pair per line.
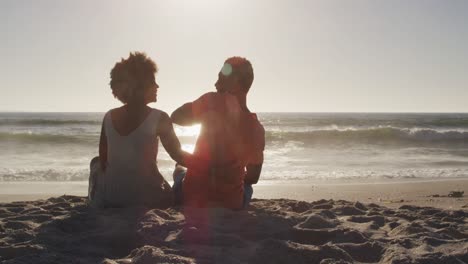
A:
136, 149
131, 175
125, 173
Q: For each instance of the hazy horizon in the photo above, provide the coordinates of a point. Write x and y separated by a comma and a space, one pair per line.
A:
260, 112
308, 56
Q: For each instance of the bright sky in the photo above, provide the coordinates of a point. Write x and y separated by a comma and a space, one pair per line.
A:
308, 56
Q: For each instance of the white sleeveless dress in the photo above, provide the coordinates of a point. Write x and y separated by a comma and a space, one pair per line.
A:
131, 176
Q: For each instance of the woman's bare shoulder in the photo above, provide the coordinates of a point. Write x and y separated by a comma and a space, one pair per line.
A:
162, 115
165, 122
116, 111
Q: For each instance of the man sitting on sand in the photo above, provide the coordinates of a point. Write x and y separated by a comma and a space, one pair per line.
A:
230, 146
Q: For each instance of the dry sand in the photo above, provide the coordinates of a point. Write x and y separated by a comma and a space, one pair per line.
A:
65, 230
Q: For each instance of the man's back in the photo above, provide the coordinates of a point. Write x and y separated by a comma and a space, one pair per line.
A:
230, 146
223, 148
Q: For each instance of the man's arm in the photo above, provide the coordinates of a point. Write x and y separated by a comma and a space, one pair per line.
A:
254, 167
190, 113
183, 115
253, 173
170, 141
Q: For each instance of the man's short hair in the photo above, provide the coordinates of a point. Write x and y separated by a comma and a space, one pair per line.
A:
242, 68
130, 74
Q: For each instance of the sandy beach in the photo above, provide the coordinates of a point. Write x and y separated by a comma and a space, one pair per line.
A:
386, 193
331, 223
352, 116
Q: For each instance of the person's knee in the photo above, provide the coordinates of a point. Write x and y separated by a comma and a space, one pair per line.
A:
248, 192
178, 171
248, 189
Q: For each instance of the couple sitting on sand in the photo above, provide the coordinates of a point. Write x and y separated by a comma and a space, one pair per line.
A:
228, 155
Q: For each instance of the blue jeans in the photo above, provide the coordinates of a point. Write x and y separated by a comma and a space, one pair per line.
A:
178, 193
177, 187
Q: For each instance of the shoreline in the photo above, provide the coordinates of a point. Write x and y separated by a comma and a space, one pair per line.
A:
388, 193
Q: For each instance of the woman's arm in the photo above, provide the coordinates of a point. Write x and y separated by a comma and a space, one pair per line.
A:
170, 141
103, 148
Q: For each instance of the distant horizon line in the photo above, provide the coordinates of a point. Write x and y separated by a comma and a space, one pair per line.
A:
264, 112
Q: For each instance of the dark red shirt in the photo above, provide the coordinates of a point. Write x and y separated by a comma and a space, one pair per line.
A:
229, 140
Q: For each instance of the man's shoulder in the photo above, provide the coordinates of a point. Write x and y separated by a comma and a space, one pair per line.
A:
216, 96
205, 99
209, 95
215, 102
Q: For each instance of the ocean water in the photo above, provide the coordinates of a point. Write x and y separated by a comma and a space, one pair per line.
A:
299, 146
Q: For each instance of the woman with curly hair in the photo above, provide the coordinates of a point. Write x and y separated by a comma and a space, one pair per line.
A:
126, 173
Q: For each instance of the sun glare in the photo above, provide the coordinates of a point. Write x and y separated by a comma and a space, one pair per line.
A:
188, 147
190, 131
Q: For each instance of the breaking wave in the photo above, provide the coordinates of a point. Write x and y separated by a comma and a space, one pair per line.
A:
390, 135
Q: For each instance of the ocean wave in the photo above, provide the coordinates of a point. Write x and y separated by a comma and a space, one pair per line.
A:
380, 135
290, 174
48, 138
47, 122
66, 173
449, 122
432, 120
63, 174
286, 174
390, 135
85, 139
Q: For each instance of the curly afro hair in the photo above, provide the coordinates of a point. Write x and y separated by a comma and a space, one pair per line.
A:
131, 74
